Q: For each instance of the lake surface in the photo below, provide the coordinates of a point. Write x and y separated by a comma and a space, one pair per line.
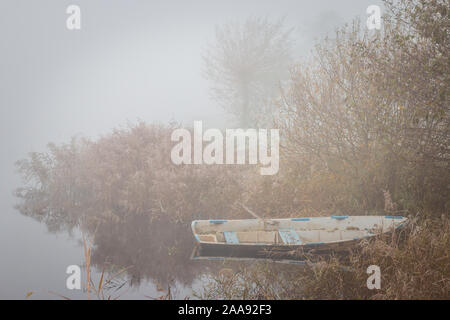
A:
32, 259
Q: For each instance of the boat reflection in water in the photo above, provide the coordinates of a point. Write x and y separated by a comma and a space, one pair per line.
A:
153, 250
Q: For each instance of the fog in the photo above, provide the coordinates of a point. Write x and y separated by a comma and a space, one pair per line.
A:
132, 60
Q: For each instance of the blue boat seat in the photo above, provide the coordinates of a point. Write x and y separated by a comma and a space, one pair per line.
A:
231, 237
289, 236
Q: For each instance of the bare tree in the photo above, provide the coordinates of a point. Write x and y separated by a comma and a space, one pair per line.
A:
246, 64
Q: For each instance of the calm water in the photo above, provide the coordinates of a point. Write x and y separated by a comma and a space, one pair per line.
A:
32, 259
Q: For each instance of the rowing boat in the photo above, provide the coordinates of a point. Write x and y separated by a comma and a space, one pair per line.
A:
265, 237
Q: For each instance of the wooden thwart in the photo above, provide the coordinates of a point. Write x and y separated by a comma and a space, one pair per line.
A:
231, 237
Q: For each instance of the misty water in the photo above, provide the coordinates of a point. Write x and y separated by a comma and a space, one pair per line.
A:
37, 261
131, 60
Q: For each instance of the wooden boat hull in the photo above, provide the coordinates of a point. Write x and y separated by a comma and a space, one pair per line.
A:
257, 251
286, 238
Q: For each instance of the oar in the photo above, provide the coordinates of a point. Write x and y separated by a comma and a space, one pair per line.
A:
255, 215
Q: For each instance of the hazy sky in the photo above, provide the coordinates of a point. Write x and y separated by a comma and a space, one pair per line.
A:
132, 59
